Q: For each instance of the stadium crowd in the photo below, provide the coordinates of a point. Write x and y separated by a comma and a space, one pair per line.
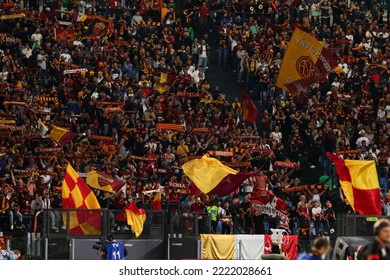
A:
124, 74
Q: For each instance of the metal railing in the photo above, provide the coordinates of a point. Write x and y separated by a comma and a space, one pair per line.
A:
57, 223
356, 225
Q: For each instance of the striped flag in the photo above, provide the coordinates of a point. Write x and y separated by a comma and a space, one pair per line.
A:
77, 195
212, 177
360, 184
135, 218
62, 135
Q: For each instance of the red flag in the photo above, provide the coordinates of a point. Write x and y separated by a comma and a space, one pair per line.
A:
249, 110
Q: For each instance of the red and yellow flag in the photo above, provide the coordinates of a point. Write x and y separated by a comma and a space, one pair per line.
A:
77, 195
62, 135
306, 61
249, 110
156, 203
104, 182
135, 218
359, 181
213, 177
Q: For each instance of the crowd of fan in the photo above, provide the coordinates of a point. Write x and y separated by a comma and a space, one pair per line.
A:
120, 96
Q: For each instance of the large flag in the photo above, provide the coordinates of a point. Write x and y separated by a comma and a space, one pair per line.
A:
156, 203
77, 195
306, 60
249, 110
104, 182
287, 3
265, 202
212, 177
61, 135
359, 181
135, 218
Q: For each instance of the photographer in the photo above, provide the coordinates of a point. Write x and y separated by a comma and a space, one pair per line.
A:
10, 255
113, 250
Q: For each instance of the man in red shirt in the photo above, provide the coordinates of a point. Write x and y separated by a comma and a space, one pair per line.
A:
204, 13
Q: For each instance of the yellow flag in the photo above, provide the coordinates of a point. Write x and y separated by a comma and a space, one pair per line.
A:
303, 59
211, 176
163, 77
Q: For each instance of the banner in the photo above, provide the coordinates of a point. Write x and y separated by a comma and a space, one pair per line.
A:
143, 158
48, 150
15, 103
12, 16
265, 202
305, 188
169, 126
101, 138
305, 60
188, 94
74, 71
237, 164
177, 185
221, 153
64, 34
202, 130
287, 164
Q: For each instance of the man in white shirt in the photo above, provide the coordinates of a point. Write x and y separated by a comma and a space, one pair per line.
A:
36, 38
203, 53
276, 135
54, 216
41, 58
65, 56
137, 18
